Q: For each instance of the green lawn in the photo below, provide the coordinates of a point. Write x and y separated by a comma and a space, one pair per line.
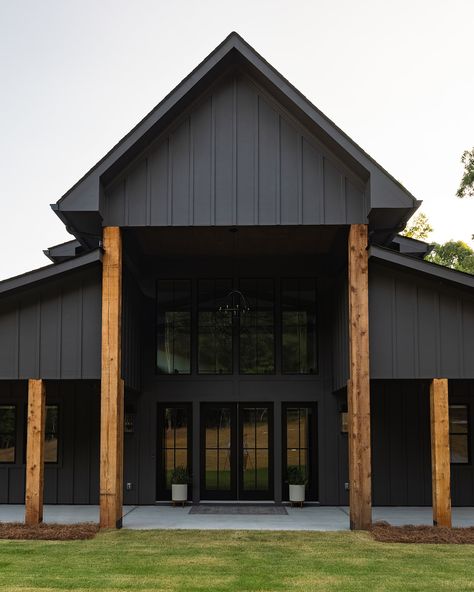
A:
229, 560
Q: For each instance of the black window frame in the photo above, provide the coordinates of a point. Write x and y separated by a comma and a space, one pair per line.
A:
15, 434
192, 328
58, 460
467, 434
195, 342
276, 328
316, 324
162, 493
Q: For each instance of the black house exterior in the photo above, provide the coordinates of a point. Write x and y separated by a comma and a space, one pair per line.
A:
260, 274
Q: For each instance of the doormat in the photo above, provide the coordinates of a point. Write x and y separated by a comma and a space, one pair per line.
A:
242, 509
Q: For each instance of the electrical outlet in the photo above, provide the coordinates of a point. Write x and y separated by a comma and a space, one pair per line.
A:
129, 486
346, 486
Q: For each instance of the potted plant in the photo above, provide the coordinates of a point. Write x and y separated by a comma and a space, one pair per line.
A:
179, 485
297, 484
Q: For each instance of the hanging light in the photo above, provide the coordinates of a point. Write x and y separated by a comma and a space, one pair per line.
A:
235, 304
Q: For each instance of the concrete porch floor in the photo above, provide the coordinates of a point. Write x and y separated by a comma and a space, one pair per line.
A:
167, 517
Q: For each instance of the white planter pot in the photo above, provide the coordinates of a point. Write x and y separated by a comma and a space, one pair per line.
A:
297, 493
179, 492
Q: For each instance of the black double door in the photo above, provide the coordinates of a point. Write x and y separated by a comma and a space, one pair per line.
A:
236, 451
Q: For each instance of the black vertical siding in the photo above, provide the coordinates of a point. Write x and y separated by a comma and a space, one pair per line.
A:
401, 466
419, 327
236, 157
75, 478
52, 330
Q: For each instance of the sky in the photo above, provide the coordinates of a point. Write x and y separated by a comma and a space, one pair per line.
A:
77, 75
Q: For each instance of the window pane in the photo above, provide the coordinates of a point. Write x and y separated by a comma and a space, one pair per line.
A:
174, 439
458, 421
51, 434
174, 326
7, 433
292, 428
257, 333
298, 303
459, 448
214, 327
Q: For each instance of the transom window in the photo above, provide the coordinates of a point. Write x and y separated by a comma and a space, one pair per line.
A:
459, 434
196, 333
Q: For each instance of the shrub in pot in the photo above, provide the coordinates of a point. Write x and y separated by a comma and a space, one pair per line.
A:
297, 484
180, 480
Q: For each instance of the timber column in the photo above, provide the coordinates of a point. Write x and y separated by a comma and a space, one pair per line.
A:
35, 452
112, 395
440, 454
358, 387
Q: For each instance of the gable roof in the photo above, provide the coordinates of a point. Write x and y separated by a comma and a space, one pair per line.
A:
390, 204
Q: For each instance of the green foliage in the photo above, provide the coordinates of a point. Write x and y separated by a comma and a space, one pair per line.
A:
296, 475
419, 229
180, 476
454, 254
466, 188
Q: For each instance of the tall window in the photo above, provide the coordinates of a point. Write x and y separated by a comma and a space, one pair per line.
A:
51, 434
298, 424
7, 433
298, 318
257, 331
175, 436
459, 434
174, 327
214, 328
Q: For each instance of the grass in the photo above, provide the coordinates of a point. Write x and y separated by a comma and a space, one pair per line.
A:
233, 561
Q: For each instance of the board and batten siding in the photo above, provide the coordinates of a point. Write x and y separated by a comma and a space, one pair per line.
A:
420, 327
52, 330
74, 479
235, 158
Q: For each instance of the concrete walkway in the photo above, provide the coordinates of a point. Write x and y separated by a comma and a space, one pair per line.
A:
167, 517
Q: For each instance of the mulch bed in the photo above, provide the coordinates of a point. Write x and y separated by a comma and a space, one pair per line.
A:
385, 533
48, 532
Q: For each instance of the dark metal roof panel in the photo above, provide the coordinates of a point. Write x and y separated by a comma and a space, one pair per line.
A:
49, 271
424, 267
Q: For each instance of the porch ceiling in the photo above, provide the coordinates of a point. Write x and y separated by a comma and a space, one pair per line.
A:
238, 242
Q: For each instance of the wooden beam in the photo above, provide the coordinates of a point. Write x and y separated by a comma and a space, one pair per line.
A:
440, 455
35, 452
111, 409
358, 388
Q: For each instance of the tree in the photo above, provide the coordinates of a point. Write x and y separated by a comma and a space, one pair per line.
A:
466, 188
454, 254
420, 228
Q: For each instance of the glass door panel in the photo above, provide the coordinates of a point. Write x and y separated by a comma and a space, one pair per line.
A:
256, 480
218, 458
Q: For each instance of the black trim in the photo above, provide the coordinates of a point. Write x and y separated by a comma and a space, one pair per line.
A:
161, 492
312, 489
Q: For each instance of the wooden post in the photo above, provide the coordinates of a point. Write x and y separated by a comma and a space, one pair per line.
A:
358, 387
111, 409
35, 452
440, 455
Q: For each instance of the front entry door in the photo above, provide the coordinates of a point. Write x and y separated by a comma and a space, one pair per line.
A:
236, 451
